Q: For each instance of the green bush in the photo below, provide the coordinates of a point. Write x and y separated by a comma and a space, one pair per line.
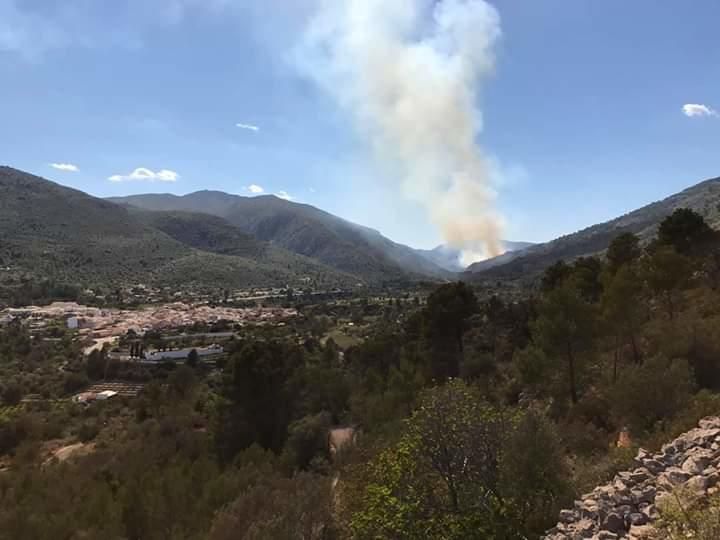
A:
646, 396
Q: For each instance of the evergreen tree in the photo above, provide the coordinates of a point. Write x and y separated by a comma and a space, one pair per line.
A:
565, 329
624, 249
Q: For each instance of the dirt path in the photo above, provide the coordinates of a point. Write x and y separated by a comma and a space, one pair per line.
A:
72, 450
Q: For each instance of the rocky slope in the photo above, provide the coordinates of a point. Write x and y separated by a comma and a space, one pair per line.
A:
628, 506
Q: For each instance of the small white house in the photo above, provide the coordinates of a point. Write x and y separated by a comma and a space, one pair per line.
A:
72, 323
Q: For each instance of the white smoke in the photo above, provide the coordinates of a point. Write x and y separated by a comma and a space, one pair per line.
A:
410, 71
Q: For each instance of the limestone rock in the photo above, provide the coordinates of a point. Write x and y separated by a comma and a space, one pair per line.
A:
637, 518
641, 532
614, 522
627, 506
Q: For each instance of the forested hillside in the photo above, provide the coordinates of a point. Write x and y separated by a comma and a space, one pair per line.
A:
303, 229
473, 416
202, 231
70, 240
703, 198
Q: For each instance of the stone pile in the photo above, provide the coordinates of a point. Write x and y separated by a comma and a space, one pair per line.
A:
627, 506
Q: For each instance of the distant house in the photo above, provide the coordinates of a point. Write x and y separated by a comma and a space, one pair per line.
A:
180, 355
72, 323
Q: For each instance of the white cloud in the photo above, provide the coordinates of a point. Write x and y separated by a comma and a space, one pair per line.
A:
141, 174
284, 195
65, 167
249, 127
254, 188
311, 190
697, 109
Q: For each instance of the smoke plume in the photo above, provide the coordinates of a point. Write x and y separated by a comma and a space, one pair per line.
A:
410, 72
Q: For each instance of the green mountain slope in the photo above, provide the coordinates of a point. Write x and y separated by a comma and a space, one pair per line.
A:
704, 198
48, 231
202, 231
302, 229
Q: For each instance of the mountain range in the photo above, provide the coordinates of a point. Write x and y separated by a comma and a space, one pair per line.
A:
54, 232
302, 229
206, 238
210, 238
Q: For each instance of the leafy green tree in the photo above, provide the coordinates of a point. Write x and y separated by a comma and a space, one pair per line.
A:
622, 310
441, 479
623, 250
459, 439
666, 273
554, 276
652, 393
534, 371
12, 393
447, 311
565, 328
463, 470
685, 230
96, 364
258, 396
586, 271
182, 381
307, 439
74, 382
383, 400
323, 389
535, 480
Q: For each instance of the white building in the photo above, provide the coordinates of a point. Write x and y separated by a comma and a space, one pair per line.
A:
182, 354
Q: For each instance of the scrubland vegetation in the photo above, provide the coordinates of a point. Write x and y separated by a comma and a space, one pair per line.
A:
476, 416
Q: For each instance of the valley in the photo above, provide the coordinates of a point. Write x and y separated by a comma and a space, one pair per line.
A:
304, 363
359, 270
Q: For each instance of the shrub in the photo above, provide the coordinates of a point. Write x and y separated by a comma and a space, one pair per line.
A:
644, 397
683, 516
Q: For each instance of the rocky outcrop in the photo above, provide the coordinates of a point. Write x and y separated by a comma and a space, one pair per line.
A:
627, 506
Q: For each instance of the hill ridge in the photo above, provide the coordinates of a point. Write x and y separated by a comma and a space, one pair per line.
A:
303, 229
49, 231
703, 197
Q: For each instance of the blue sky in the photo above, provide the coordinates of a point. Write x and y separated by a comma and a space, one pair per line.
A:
583, 113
